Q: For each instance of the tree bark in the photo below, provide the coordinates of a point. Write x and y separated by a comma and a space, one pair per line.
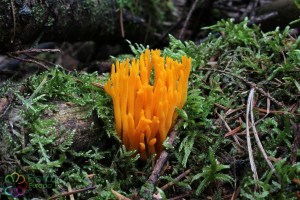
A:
24, 22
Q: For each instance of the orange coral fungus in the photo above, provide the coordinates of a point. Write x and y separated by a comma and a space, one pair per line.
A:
145, 111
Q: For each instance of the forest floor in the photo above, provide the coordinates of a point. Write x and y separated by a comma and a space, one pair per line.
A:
237, 136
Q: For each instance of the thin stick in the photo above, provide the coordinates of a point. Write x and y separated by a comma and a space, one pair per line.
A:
14, 20
178, 178
161, 160
235, 137
119, 196
233, 132
98, 85
72, 192
121, 23
35, 51
29, 61
160, 163
236, 193
188, 19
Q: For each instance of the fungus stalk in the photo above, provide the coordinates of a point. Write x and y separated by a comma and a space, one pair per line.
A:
145, 93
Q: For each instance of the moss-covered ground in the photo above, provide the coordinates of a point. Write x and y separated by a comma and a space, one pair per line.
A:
238, 136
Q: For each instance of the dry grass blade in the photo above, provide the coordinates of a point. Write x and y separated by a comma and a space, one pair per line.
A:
258, 142
249, 106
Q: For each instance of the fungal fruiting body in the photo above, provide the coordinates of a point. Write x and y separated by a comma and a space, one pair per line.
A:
145, 93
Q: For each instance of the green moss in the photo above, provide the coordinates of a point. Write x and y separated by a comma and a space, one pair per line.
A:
39, 14
225, 67
242, 56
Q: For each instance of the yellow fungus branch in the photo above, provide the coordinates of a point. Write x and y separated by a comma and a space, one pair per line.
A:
144, 112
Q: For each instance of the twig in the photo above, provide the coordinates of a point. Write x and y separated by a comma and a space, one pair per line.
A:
35, 51
178, 178
188, 19
251, 84
228, 128
119, 196
29, 61
98, 85
72, 192
233, 132
221, 106
122, 23
264, 17
14, 20
236, 193
250, 152
161, 160
278, 112
32, 59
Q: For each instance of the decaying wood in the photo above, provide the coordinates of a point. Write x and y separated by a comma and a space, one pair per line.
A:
23, 22
69, 117
160, 163
73, 117
27, 22
32, 22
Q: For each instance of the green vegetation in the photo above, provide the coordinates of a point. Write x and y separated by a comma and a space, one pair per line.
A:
232, 59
